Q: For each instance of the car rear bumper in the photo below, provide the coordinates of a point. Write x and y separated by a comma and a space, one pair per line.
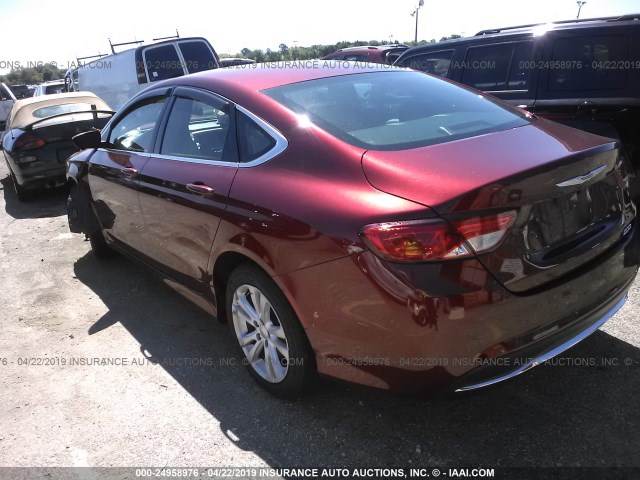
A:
430, 328
39, 174
505, 367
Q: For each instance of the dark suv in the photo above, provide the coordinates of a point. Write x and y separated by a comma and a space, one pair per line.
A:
583, 73
370, 54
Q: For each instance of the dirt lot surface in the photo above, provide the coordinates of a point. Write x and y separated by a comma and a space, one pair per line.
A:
60, 304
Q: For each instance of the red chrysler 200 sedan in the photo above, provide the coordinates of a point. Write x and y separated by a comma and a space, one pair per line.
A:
377, 225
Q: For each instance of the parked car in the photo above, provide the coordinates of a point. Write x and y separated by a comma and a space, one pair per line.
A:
39, 134
7, 99
118, 77
386, 54
373, 224
22, 91
582, 73
50, 88
232, 62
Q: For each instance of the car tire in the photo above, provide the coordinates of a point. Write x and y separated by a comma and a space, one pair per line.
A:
99, 246
274, 346
22, 193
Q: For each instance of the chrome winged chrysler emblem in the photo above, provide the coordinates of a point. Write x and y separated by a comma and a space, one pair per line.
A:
580, 179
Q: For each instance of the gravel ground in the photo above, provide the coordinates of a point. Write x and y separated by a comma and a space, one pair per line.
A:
59, 302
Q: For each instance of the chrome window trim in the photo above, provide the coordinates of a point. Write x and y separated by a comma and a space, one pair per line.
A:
200, 161
281, 145
125, 152
281, 142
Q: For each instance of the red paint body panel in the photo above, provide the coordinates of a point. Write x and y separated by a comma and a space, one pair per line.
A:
437, 174
404, 326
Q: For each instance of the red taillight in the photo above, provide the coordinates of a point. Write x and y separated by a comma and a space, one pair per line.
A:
28, 141
430, 240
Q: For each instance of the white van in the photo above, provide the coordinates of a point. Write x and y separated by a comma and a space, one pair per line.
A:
118, 77
7, 99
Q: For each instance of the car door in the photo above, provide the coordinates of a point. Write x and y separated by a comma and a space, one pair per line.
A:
590, 89
6, 103
184, 187
507, 70
113, 170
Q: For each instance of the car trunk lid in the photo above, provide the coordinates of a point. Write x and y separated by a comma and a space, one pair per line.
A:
568, 188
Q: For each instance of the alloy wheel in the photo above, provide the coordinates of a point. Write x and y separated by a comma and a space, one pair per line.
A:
260, 333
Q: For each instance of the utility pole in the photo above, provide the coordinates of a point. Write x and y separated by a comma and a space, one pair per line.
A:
580, 5
416, 14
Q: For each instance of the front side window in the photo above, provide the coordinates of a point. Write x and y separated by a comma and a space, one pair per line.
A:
395, 110
197, 56
135, 130
197, 129
162, 63
437, 63
4, 93
591, 63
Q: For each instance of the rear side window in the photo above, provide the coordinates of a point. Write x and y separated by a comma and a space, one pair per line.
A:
498, 67
395, 109
162, 63
591, 63
253, 141
437, 63
197, 56
134, 131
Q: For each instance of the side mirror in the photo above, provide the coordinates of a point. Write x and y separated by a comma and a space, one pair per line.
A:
89, 139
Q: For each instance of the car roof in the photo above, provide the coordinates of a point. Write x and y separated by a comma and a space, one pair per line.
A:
373, 47
520, 31
22, 111
51, 82
262, 76
565, 25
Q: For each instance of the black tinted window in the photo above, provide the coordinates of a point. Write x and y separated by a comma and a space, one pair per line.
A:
394, 110
4, 93
51, 89
197, 56
253, 141
355, 58
196, 129
591, 63
519, 73
162, 63
431, 62
498, 67
135, 130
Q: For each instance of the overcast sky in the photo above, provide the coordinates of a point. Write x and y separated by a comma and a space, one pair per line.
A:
60, 31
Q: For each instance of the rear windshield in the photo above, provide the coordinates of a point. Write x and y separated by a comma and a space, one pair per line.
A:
52, 110
55, 88
198, 56
395, 110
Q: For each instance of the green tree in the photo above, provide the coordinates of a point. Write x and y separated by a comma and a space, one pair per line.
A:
33, 76
284, 51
